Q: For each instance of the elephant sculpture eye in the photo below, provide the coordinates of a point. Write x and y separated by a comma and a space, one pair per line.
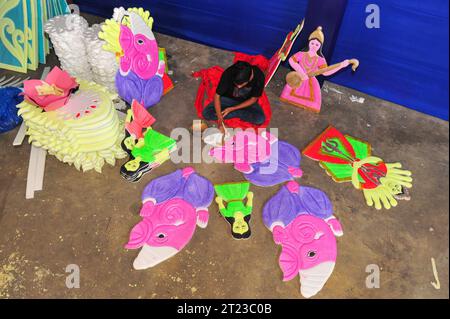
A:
161, 236
140, 41
311, 254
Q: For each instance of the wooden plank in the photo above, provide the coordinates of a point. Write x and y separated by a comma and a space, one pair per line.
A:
31, 176
40, 169
18, 140
45, 72
36, 165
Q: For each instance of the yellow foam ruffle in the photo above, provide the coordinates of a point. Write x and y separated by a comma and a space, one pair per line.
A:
86, 132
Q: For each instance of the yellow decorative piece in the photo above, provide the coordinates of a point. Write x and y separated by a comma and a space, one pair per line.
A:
45, 18
32, 35
86, 132
317, 34
47, 89
390, 185
13, 39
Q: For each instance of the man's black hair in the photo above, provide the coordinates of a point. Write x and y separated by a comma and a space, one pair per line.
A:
242, 72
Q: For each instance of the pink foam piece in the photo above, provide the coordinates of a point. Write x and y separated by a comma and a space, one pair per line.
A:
295, 172
245, 168
293, 186
188, 171
336, 226
245, 147
203, 217
142, 119
61, 79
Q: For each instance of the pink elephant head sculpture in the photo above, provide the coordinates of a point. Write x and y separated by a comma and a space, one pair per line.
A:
140, 49
301, 221
245, 148
172, 207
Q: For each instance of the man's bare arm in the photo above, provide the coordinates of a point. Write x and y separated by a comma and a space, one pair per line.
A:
218, 107
246, 103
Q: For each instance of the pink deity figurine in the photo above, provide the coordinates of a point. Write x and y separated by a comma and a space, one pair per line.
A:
302, 88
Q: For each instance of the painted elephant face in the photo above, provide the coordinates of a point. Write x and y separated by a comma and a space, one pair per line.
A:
163, 232
308, 249
139, 48
244, 147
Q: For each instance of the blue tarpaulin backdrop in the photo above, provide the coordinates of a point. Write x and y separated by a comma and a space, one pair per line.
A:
404, 61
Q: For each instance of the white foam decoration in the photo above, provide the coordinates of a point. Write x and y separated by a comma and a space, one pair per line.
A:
67, 35
118, 13
104, 64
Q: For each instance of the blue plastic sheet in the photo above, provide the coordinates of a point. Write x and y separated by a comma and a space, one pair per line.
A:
404, 61
249, 26
9, 98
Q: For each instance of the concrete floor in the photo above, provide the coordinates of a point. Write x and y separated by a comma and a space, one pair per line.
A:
85, 218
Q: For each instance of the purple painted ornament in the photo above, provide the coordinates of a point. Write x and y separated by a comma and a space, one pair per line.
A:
283, 165
147, 92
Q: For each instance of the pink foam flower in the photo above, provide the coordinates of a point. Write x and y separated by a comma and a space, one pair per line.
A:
51, 93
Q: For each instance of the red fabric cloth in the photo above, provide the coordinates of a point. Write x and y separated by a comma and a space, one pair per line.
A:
210, 80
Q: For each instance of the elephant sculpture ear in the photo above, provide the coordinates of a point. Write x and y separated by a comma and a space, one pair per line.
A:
198, 191
164, 187
289, 154
278, 233
126, 39
335, 226
139, 234
288, 262
315, 202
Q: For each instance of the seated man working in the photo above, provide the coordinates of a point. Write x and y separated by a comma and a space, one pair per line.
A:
237, 95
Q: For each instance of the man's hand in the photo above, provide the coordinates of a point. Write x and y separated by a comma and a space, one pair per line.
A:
228, 111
